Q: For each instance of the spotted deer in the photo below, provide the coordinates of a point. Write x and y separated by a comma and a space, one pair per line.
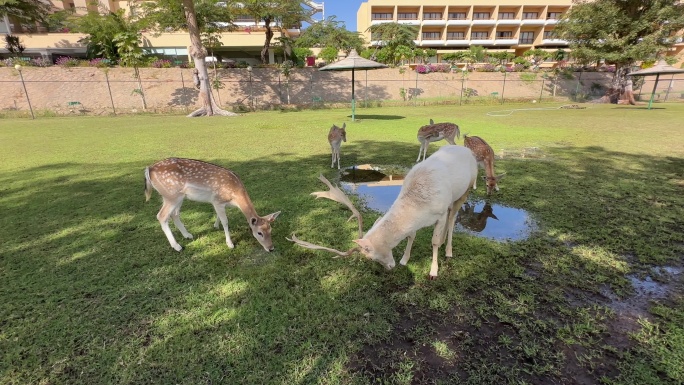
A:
475, 221
336, 136
176, 179
435, 132
485, 159
432, 194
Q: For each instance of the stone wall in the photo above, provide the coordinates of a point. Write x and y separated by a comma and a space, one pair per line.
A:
99, 91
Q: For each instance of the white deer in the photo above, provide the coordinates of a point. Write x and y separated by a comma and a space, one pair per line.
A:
176, 179
435, 132
336, 136
432, 193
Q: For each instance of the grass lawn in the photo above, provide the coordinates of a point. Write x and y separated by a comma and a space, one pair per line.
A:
92, 293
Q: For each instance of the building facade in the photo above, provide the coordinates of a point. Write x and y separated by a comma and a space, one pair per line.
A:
242, 44
452, 25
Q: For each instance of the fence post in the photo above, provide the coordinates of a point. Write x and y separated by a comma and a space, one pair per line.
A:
365, 92
111, 98
415, 91
460, 99
541, 92
183, 94
18, 68
579, 81
503, 88
669, 87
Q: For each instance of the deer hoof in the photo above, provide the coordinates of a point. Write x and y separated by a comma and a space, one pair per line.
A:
432, 277
177, 247
189, 236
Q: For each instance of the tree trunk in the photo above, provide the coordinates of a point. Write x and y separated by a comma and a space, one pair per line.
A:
620, 90
267, 42
198, 54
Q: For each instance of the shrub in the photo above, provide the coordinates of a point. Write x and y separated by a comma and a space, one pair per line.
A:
422, 69
99, 62
440, 67
66, 61
489, 67
40, 62
161, 63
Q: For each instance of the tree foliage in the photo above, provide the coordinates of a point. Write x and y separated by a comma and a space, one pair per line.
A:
26, 12
102, 29
396, 40
168, 15
275, 14
621, 31
330, 33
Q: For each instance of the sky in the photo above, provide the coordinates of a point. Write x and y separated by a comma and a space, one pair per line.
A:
345, 10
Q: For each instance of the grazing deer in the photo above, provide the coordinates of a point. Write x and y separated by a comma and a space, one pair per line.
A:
432, 193
336, 136
473, 221
485, 159
176, 179
434, 133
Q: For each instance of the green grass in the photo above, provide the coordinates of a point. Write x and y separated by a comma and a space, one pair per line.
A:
92, 293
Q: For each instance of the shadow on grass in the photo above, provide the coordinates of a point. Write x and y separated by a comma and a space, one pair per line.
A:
93, 293
377, 117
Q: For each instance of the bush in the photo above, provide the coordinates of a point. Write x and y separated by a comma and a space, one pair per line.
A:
41, 62
161, 63
99, 62
66, 61
489, 67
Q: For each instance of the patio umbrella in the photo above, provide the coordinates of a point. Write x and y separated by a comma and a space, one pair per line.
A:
661, 68
351, 63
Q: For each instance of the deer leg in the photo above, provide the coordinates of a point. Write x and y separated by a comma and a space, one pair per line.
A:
407, 251
420, 152
437, 240
216, 222
451, 222
221, 214
175, 215
163, 217
338, 158
332, 163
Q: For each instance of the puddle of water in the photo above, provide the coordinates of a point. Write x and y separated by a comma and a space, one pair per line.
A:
647, 287
379, 188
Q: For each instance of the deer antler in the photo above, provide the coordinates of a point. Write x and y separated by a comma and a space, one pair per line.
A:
338, 196
317, 247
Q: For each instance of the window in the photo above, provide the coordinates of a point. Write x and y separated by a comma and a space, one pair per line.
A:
457, 15
430, 35
549, 35
526, 37
479, 35
432, 16
381, 16
407, 16
554, 15
244, 18
481, 16
504, 35
506, 15
455, 36
530, 15
375, 36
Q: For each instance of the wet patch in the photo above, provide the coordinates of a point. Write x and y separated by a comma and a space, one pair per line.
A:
379, 187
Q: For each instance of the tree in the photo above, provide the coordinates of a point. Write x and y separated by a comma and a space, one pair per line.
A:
14, 45
392, 36
330, 33
621, 32
131, 55
277, 14
329, 54
26, 12
101, 29
164, 15
537, 55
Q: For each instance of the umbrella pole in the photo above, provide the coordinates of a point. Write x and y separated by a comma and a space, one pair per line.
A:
650, 102
353, 100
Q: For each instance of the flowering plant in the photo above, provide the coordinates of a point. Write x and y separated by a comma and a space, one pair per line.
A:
66, 61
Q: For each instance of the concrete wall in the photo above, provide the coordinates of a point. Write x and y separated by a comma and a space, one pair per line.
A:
172, 89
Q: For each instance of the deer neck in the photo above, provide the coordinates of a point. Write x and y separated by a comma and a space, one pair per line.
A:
393, 227
241, 201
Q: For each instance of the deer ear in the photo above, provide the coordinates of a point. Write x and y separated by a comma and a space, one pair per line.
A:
432, 121
272, 217
500, 176
366, 246
484, 177
344, 125
253, 221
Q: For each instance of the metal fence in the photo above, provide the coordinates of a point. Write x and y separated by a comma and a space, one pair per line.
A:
93, 91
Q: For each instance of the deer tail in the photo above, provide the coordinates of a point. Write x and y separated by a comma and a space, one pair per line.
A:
148, 185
